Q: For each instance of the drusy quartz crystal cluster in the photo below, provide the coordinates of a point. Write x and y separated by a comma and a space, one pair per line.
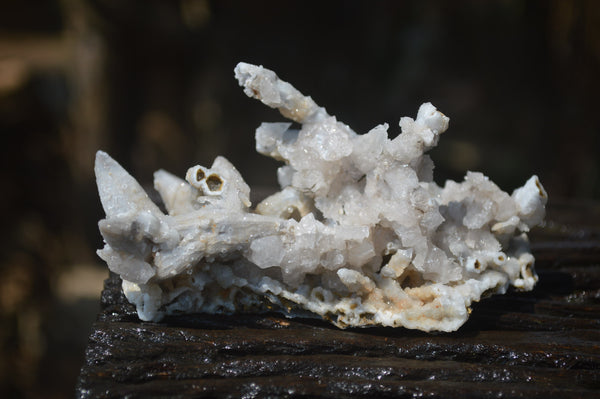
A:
359, 234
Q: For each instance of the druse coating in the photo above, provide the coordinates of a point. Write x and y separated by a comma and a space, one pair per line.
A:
359, 233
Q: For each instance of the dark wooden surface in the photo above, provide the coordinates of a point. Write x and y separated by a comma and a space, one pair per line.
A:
541, 344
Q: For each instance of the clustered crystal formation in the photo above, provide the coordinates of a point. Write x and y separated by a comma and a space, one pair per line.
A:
359, 234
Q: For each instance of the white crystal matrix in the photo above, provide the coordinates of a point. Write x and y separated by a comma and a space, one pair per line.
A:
359, 233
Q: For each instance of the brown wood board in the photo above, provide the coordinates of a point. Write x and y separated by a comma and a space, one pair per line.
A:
540, 344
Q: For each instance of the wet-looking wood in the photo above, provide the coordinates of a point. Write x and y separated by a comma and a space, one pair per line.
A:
540, 344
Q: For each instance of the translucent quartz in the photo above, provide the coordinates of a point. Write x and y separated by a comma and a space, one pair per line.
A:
359, 233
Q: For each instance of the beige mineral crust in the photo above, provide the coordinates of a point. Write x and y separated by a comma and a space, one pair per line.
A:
359, 233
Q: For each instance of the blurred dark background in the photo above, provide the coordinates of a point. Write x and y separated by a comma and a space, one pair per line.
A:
151, 82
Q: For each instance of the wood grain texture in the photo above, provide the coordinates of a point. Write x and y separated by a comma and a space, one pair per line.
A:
540, 344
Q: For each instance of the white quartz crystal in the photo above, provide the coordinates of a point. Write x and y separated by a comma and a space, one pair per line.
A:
359, 233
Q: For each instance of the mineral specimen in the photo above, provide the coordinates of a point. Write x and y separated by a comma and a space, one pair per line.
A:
359, 233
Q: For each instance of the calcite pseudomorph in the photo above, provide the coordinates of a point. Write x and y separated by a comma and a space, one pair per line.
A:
359, 233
